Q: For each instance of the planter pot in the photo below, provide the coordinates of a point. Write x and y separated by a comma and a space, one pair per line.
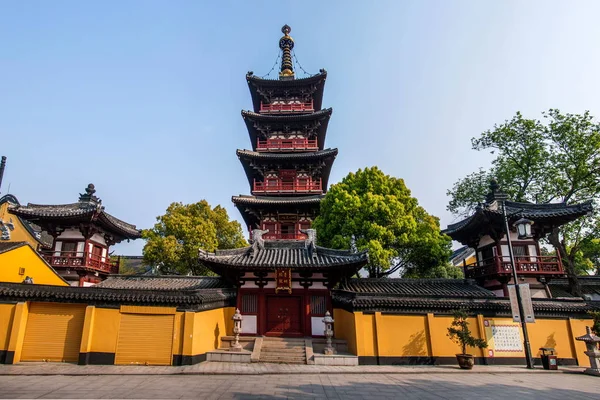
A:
465, 361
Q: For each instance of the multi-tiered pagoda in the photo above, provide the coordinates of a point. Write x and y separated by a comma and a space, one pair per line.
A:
284, 278
288, 166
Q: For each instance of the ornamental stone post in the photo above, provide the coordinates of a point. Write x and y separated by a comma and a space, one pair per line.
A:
591, 342
328, 321
237, 329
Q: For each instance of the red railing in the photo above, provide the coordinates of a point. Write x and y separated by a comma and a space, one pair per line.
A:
75, 260
283, 107
287, 144
284, 236
527, 265
296, 187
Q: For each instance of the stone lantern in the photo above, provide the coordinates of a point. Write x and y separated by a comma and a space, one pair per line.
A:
591, 342
328, 321
237, 329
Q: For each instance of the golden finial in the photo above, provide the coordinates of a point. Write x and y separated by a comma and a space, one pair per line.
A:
286, 44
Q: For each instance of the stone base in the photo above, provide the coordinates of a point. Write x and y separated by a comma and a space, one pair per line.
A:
592, 371
336, 359
242, 356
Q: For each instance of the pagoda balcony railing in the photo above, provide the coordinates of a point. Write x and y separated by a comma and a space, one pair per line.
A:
286, 188
287, 144
526, 266
70, 259
286, 107
284, 236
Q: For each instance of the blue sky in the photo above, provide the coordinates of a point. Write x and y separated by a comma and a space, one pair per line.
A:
143, 98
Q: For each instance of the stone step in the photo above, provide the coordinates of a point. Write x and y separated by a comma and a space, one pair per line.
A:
295, 360
282, 347
300, 352
283, 362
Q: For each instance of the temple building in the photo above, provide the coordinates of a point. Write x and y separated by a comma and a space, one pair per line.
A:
484, 231
284, 284
82, 234
284, 279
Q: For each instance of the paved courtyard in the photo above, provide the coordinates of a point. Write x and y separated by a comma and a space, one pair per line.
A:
427, 385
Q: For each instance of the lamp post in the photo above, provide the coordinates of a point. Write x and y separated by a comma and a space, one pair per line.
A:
523, 226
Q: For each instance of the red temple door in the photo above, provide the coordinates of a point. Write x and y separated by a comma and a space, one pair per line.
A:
284, 316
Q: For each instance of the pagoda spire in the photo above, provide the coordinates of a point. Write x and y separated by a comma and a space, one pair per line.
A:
286, 44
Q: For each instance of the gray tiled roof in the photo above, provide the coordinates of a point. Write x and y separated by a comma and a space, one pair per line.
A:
277, 201
163, 282
417, 287
80, 211
285, 253
590, 285
441, 296
324, 113
8, 246
186, 298
544, 216
278, 157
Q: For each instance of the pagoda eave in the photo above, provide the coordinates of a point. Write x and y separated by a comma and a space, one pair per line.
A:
257, 85
320, 119
251, 206
253, 162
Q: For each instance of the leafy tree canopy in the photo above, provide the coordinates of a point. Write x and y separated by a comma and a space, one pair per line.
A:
553, 160
173, 243
373, 211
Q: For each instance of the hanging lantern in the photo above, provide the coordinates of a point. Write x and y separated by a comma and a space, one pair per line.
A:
524, 228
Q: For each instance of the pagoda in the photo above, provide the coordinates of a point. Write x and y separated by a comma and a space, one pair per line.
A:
484, 232
82, 234
288, 166
284, 279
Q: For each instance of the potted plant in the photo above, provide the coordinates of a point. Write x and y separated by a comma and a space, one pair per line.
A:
460, 334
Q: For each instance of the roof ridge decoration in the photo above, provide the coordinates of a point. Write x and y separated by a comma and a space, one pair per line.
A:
286, 44
258, 243
90, 196
311, 241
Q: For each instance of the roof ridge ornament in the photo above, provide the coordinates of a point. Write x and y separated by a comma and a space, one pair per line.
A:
258, 243
495, 194
310, 242
286, 44
89, 196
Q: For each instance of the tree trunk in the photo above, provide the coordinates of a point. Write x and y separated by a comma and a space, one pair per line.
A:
567, 261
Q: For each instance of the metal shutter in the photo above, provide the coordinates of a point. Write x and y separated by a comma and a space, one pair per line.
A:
145, 339
53, 332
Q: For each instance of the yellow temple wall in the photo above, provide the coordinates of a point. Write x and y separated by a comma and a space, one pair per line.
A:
209, 326
17, 264
422, 339
194, 333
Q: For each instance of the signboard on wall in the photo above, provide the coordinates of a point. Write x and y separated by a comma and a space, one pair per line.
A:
507, 338
525, 300
283, 280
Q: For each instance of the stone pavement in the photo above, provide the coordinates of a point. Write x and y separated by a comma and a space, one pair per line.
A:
428, 385
225, 368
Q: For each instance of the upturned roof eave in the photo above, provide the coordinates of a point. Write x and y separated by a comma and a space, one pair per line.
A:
327, 156
75, 213
250, 118
254, 82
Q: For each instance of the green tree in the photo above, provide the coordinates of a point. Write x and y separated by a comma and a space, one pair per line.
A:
371, 210
554, 160
173, 243
460, 333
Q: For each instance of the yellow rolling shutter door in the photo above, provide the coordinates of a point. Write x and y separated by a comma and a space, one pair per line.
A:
53, 332
145, 339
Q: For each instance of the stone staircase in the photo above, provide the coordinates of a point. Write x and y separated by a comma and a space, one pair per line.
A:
283, 351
